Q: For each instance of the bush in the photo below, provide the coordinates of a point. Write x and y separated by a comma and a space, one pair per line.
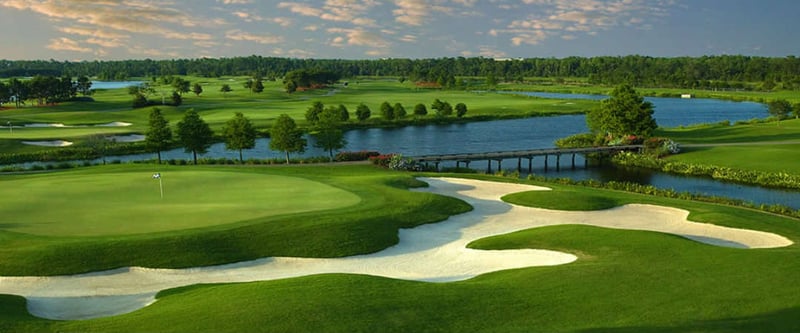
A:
346, 156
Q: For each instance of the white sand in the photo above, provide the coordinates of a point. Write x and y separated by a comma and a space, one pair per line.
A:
126, 138
434, 252
115, 124
54, 143
45, 125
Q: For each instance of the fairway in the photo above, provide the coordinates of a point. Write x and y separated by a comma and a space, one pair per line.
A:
120, 202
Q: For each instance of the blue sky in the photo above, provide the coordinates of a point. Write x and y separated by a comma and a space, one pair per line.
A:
366, 29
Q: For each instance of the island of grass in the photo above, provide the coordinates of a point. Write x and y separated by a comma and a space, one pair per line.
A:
654, 282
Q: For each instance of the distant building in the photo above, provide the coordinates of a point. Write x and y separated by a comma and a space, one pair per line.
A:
687, 96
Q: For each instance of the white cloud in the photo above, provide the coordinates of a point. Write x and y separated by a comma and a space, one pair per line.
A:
567, 19
66, 44
239, 35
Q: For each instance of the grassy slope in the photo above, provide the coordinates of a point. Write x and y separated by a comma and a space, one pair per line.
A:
367, 227
764, 156
624, 281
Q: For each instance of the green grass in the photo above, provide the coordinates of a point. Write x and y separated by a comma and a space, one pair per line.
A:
257, 212
623, 281
86, 202
761, 150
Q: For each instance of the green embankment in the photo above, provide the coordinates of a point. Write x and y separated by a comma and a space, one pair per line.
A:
768, 147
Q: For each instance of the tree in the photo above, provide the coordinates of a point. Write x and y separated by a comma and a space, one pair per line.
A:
313, 112
286, 137
84, 86
176, 99
291, 87
181, 86
461, 110
98, 143
225, 89
387, 111
5, 93
344, 115
197, 89
249, 84
780, 108
443, 109
399, 111
328, 134
796, 108
624, 113
420, 110
18, 90
363, 112
258, 86
239, 133
194, 134
158, 135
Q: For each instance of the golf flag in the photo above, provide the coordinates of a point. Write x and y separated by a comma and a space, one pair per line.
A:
157, 175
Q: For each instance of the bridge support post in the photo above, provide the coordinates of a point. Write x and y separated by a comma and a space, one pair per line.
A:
458, 164
489, 167
530, 165
519, 164
545, 162
499, 165
466, 164
436, 165
573, 161
558, 162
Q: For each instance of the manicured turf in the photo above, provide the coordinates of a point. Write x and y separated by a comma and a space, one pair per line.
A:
127, 200
623, 281
763, 149
212, 215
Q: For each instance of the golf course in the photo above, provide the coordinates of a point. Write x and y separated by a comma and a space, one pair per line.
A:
353, 247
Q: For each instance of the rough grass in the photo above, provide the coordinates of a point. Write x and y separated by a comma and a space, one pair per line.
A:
623, 281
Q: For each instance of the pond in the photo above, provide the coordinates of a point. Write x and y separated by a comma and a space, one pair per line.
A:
114, 84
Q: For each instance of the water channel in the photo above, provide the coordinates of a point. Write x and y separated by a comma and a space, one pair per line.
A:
540, 132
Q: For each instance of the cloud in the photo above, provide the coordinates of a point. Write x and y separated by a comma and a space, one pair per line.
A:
239, 35
359, 37
415, 12
282, 21
300, 8
66, 44
236, 2
113, 17
566, 19
351, 11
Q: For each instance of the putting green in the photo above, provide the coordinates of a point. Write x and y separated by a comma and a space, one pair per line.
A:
118, 203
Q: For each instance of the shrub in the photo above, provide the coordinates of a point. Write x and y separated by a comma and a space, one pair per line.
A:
363, 155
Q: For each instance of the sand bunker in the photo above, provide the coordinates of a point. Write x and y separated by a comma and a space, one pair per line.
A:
115, 124
54, 143
433, 252
46, 125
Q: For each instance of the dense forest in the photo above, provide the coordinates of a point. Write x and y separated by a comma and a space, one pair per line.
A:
727, 71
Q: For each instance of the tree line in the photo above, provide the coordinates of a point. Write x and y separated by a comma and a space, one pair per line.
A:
43, 89
724, 71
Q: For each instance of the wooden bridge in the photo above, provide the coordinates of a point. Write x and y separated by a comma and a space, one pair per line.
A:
520, 155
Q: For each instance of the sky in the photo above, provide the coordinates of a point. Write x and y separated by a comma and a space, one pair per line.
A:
77, 30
